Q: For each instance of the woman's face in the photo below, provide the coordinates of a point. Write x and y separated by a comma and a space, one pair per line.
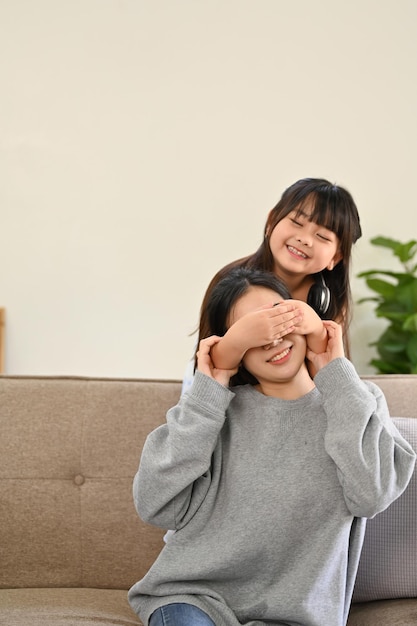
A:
267, 363
302, 247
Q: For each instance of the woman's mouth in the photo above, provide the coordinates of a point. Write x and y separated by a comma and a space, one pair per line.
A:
280, 356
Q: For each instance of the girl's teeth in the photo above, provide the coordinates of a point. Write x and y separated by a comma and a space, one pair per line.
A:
297, 252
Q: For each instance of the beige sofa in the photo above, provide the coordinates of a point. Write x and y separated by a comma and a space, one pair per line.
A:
71, 543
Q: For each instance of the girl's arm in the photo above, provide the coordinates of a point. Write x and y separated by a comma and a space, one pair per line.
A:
310, 325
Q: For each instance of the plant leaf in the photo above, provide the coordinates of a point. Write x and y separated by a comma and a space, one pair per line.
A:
404, 251
393, 341
410, 323
369, 299
396, 301
385, 367
382, 287
399, 276
412, 349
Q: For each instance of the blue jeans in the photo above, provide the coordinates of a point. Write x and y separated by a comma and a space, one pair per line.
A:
180, 614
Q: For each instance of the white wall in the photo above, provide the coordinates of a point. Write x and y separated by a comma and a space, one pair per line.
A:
144, 142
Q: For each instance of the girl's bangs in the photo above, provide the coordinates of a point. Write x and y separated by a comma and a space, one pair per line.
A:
320, 209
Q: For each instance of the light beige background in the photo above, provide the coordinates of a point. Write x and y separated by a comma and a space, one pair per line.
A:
144, 142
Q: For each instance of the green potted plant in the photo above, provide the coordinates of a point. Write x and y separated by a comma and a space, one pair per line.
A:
396, 301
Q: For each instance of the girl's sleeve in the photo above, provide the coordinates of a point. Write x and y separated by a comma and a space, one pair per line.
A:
175, 470
374, 462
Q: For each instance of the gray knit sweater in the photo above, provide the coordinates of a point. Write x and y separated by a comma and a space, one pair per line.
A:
268, 497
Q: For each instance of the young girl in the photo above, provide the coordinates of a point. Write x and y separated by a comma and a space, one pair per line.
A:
307, 242
268, 483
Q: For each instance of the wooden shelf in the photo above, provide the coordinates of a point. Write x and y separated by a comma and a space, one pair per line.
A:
2, 337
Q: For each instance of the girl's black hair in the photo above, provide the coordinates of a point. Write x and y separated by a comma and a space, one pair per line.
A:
331, 206
214, 318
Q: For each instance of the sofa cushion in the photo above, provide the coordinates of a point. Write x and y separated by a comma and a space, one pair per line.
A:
66, 607
388, 564
69, 450
384, 613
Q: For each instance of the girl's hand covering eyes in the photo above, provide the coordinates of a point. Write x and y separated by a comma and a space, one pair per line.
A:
260, 327
266, 324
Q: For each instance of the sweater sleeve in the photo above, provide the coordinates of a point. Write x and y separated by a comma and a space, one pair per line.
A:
374, 462
174, 473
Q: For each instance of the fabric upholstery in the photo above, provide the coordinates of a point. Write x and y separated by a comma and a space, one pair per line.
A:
71, 543
66, 607
67, 462
384, 613
388, 564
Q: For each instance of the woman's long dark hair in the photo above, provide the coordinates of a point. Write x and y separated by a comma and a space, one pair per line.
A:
214, 319
332, 207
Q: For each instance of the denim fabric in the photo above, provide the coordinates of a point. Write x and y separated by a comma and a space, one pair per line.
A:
180, 614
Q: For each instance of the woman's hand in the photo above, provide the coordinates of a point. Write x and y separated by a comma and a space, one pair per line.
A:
334, 349
205, 363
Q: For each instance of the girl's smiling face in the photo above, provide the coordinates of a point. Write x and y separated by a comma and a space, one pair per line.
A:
301, 246
269, 364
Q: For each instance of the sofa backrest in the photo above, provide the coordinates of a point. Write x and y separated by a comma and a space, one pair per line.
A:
400, 391
69, 448
387, 567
